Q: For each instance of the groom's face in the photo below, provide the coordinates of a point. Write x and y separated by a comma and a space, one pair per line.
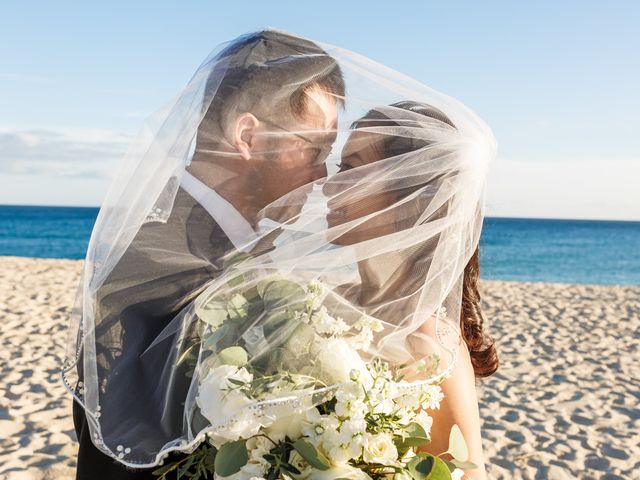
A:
291, 155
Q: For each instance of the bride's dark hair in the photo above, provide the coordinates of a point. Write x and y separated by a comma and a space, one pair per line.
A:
482, 348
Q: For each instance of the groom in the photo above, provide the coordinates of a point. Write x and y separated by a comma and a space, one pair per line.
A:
265, 134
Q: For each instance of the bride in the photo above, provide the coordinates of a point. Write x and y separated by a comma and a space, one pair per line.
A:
388, 277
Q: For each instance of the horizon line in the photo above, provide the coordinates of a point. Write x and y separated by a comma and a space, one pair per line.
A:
502, 217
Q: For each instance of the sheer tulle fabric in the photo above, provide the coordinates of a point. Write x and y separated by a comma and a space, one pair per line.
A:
372, 208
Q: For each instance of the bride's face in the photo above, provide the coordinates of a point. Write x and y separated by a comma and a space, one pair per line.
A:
362, 203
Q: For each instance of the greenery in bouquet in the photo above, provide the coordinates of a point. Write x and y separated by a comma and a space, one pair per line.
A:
276, 340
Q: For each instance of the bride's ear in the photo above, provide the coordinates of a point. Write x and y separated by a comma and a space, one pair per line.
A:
243, 133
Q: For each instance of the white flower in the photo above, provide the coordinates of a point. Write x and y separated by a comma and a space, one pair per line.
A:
328, 325
407, 400
336, 360
379, 448
385, 406
339, 471
433, 396
349, 403
315, 289
333, 447
424, 420
219, 400
362, 341
317, 424
288, 426
258, 447
457, 474
369, 322
352, 434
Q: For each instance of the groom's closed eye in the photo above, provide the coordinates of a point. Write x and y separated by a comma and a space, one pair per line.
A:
343, 167
317, 155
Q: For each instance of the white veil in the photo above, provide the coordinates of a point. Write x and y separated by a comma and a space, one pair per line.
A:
186, 279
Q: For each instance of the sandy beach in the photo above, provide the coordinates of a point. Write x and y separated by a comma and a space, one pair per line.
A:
564, 404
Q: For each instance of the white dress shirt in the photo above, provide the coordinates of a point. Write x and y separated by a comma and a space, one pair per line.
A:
232, 223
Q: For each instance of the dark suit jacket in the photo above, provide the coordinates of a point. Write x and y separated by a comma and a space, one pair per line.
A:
161, 270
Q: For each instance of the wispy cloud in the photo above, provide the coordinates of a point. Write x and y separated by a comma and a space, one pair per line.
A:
21, 77
70, 152
591, 188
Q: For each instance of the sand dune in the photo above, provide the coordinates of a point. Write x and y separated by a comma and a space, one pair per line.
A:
564, 404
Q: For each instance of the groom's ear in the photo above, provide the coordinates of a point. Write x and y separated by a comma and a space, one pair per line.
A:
243, 134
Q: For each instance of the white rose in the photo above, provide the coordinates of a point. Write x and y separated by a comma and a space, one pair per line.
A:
339, 471
379, 448
336, 360
290, 426
219, 400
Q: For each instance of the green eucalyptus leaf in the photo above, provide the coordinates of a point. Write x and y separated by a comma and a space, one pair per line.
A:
409, 442
213, 312
231, 458
420, 466
262, 285
414, 429
212, 339
311, 454
301, 340
237, 308
450, 465
233, 356
440, 470
275, 323
464, 465
283, 293
415, 436
457, 446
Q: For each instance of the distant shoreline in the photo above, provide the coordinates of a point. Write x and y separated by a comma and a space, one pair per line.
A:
587, 252
488, 217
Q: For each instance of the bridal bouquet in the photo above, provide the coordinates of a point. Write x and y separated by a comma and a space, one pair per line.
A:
284, 392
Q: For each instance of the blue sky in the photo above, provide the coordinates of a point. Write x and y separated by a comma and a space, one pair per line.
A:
557, 81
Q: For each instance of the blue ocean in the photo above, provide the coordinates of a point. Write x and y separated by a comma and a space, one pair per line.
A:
534, 250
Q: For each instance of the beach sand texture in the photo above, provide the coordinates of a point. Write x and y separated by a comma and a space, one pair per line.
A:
564, 404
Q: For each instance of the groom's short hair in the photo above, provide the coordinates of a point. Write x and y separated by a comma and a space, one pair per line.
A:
267, 73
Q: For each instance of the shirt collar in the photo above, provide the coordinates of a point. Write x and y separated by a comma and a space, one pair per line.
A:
232, 223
